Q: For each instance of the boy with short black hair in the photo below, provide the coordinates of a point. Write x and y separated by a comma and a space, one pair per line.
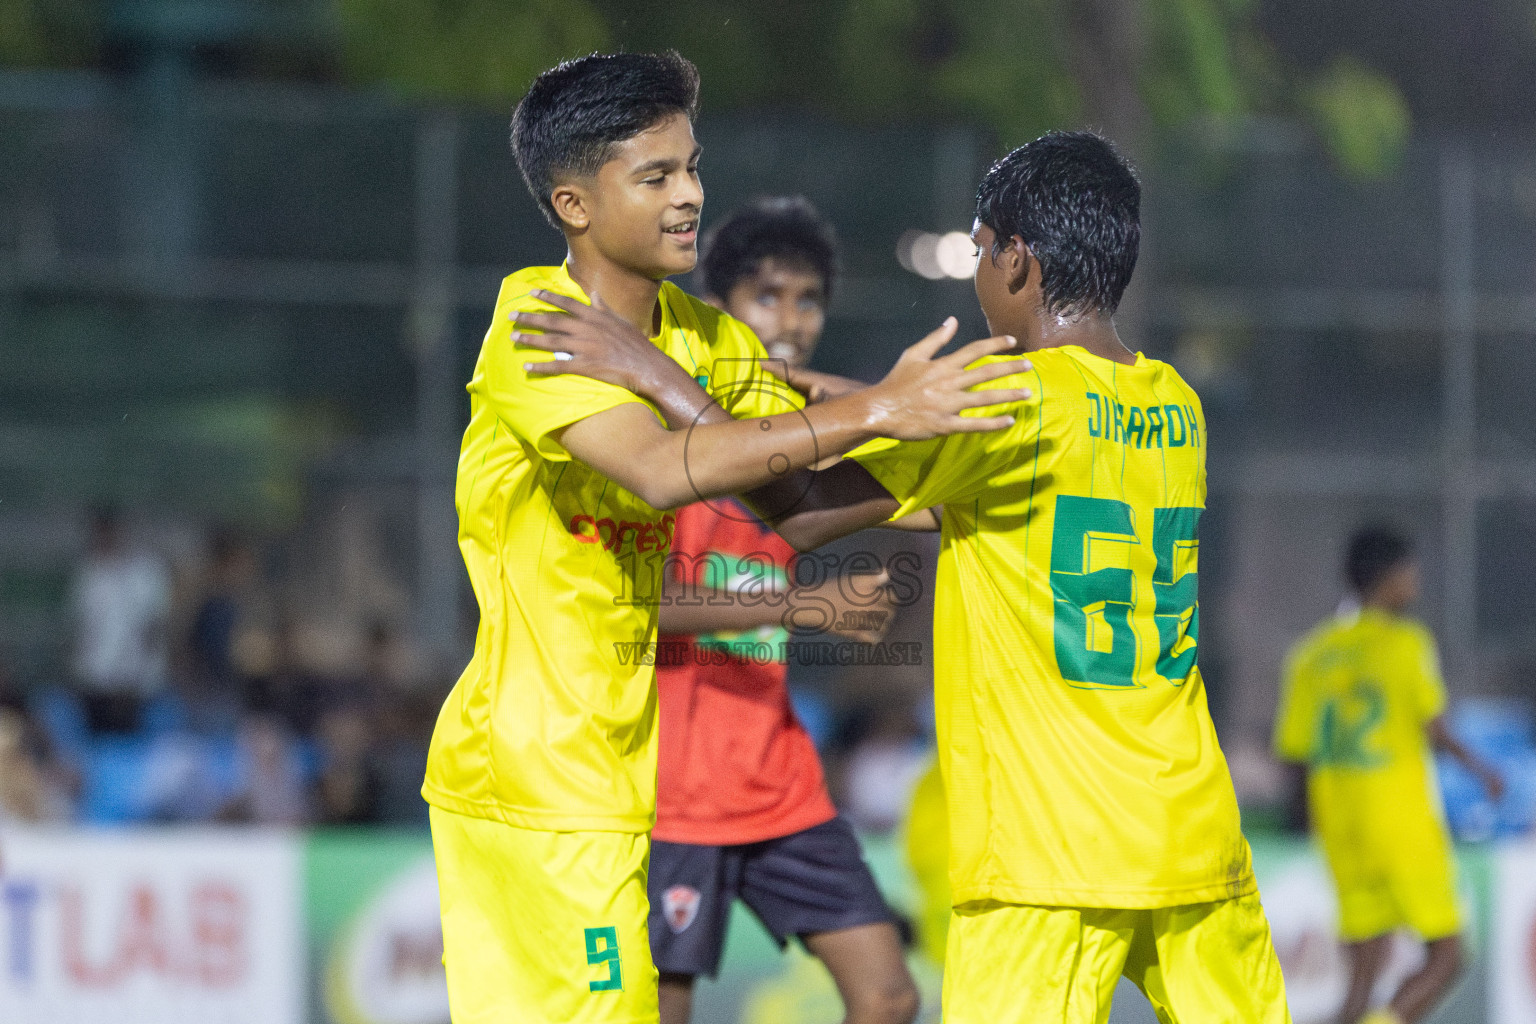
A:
772, 265
1094, 831
541, 773
1361, 707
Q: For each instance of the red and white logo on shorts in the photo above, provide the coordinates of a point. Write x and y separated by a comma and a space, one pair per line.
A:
680, 905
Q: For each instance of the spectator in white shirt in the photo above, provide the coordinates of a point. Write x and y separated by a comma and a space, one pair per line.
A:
122, 601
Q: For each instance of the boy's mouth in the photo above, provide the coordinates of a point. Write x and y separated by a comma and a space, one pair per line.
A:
684, 231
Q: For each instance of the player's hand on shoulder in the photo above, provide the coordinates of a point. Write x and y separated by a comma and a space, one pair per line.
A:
925, 393
589, 340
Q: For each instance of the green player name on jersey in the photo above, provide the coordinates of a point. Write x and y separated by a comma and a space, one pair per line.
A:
1143, 426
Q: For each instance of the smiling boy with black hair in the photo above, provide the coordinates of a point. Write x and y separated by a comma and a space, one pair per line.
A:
542, 769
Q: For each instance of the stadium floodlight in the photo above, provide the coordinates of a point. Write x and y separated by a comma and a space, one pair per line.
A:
934, 256
956, 255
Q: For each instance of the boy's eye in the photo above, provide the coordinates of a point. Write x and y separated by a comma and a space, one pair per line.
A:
810, 305
767, 299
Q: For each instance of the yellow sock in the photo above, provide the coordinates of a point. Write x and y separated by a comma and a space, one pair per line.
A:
1385, 1015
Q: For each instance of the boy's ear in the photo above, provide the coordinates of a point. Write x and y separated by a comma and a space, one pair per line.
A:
1019, 264
570, 203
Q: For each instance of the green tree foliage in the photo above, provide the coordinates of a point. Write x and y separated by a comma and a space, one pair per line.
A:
1361, 117
477, 50
49, 33
1140, 69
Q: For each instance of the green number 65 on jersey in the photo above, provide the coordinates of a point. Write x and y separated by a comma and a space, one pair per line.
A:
1097, 615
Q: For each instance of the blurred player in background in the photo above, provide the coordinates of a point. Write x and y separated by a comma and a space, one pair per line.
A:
742, 810
542, 769
925, 841
1361, 707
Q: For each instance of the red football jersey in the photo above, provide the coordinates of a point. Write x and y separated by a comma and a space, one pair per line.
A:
736, 765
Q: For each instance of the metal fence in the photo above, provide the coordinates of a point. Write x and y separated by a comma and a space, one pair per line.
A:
242, 302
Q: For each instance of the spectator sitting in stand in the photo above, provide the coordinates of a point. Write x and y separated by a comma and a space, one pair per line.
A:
213, 678
883, 767
31, 790
121, 602
272, 780
347, 789
286, 690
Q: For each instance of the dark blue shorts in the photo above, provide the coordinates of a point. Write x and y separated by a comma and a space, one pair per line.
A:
801, 884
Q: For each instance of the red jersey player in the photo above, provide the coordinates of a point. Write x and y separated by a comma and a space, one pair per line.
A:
742, 809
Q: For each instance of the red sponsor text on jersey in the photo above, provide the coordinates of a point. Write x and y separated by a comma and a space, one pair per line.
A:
612, 534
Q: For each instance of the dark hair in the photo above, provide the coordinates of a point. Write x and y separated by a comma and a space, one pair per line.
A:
1372, 555
575, 113
776, 227
1076, 202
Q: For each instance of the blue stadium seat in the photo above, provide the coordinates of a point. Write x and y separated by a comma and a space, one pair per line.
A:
59, 713
115, 770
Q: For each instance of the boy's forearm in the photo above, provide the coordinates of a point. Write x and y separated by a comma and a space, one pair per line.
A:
726, 456
833, 503
682, 402
672, 468
714, 458
705, 611
807, 507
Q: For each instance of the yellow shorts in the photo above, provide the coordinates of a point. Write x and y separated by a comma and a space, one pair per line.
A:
1409, 883
543, 927
1208, 963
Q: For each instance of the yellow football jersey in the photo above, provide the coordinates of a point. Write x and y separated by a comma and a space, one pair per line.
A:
552, 724
1357, 695
1078, 752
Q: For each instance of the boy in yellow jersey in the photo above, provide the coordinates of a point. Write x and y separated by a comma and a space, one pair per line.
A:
1361, 706
1093, 826
542, 769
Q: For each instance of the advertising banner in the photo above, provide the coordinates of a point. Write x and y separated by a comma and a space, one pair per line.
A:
1513, 967
148, 927
232, 926
376, 943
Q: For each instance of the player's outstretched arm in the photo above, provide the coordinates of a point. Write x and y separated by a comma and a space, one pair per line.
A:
859, 607
1443, 739
922, 397
818, 387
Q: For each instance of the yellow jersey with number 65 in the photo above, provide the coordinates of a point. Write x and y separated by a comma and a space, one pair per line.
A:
1077, 749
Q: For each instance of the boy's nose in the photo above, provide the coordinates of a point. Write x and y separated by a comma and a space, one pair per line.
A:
690, 193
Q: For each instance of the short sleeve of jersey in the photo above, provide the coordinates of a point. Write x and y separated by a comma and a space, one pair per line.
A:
737, 379
537, 408
1428, 684
922, 474
1294, 730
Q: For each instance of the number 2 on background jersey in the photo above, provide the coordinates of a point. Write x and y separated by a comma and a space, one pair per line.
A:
1095, 645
